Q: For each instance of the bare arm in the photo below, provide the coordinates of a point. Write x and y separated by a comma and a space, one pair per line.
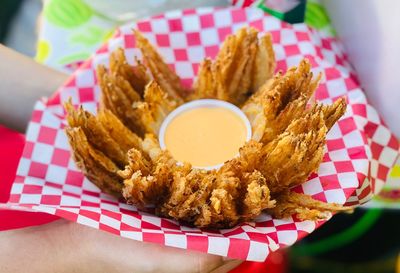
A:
22, 83
64, 246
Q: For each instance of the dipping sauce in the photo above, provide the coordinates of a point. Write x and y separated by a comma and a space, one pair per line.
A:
206, 136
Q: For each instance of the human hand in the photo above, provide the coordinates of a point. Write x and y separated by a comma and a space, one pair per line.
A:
64, 246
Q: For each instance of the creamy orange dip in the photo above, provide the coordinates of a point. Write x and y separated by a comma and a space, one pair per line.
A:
205, 136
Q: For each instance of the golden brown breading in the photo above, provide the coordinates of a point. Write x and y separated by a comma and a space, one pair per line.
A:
264, 63
257, 197
289, 159
155, 107
96, 134
238, 77
162, 73
121, 134
234, 58
282, 99
135, 75
254, 111
205, 85
97, 167
333, 112
206, 198
287, 98
287, 145
242, 65
306, 208
100, 144
188, 191
146, 182
151, 146
143, 189
254, 107
247, 161
119, 100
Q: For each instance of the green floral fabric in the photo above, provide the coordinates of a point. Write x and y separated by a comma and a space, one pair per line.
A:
67, 13
71, 30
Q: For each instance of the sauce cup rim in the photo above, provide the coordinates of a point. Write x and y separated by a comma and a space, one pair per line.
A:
199, 104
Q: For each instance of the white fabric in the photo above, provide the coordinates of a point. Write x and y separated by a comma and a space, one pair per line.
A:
369, 30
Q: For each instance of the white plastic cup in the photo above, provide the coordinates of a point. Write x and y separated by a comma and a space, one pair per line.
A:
203, 103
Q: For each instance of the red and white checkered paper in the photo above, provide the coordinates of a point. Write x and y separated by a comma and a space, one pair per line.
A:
359, 151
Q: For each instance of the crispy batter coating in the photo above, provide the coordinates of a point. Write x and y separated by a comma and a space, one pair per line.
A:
281, 99
257, 197
97, 167
205, 84
286, 98
264, 63
304, 206
117, 130
220, 198
235, 64
333, 112
120, 143
242, 65
254, 111
155, 107
118, 96
96, 134
100, 145
162, 73
135, 75
289, 159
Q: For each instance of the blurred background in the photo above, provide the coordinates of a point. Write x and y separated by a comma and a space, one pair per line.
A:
18, 24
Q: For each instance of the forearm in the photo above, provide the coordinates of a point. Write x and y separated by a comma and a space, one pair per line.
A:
22, 83
64, 246
44, 249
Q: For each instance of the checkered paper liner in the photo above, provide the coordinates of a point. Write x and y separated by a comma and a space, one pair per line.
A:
359, 150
